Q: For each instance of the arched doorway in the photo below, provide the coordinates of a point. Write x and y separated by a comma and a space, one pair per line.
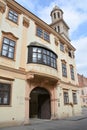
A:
40, 103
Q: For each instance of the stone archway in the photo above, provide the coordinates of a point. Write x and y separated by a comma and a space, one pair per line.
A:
40, 106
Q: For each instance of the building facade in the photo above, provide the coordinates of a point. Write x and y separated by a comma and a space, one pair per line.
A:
83, 89
38, 76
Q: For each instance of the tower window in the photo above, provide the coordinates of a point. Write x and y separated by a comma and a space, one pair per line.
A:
58, 15
58, 28
54, 15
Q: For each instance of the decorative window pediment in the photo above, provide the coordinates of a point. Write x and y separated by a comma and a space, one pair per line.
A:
26, 22
2, 7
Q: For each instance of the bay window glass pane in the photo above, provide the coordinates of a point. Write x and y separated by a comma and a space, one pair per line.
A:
34, 54
39, 50
5, 98
35, 49
34, 60
44, 51
44, 59
48, 53
39, 56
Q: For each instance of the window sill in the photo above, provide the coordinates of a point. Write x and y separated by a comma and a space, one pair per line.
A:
7, 58
5, 106
16, 23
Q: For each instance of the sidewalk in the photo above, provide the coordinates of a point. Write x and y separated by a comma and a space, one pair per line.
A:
79, 117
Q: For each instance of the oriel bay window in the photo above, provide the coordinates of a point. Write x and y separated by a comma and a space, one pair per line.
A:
5, 90
8, 47
41, 55
42, 33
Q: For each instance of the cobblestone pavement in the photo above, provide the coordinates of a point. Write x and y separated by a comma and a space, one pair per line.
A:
73, 123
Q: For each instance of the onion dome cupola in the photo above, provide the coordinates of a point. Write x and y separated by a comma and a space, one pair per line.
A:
58, 23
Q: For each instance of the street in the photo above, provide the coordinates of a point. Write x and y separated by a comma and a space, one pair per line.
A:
72, 123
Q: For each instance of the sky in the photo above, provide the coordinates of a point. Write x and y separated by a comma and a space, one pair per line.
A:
75, 15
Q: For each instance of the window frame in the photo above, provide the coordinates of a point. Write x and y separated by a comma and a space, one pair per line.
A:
62, 47
9, 47
74, 94
54, 14
14, 15
4, 92
72, 72
42, 34
48, 57
66, 97
64, 69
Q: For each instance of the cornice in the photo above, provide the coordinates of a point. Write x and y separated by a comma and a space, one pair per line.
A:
13, 70
69, 83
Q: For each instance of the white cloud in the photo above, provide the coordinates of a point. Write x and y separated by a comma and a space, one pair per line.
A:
81, 54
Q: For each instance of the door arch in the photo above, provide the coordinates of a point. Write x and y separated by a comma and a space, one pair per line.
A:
40, 106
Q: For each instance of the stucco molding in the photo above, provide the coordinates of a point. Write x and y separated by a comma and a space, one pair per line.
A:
12, 70
9, 34
2, 7
26, 22
7, 78
69, 84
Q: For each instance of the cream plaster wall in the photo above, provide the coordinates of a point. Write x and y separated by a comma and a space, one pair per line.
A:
16, 111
